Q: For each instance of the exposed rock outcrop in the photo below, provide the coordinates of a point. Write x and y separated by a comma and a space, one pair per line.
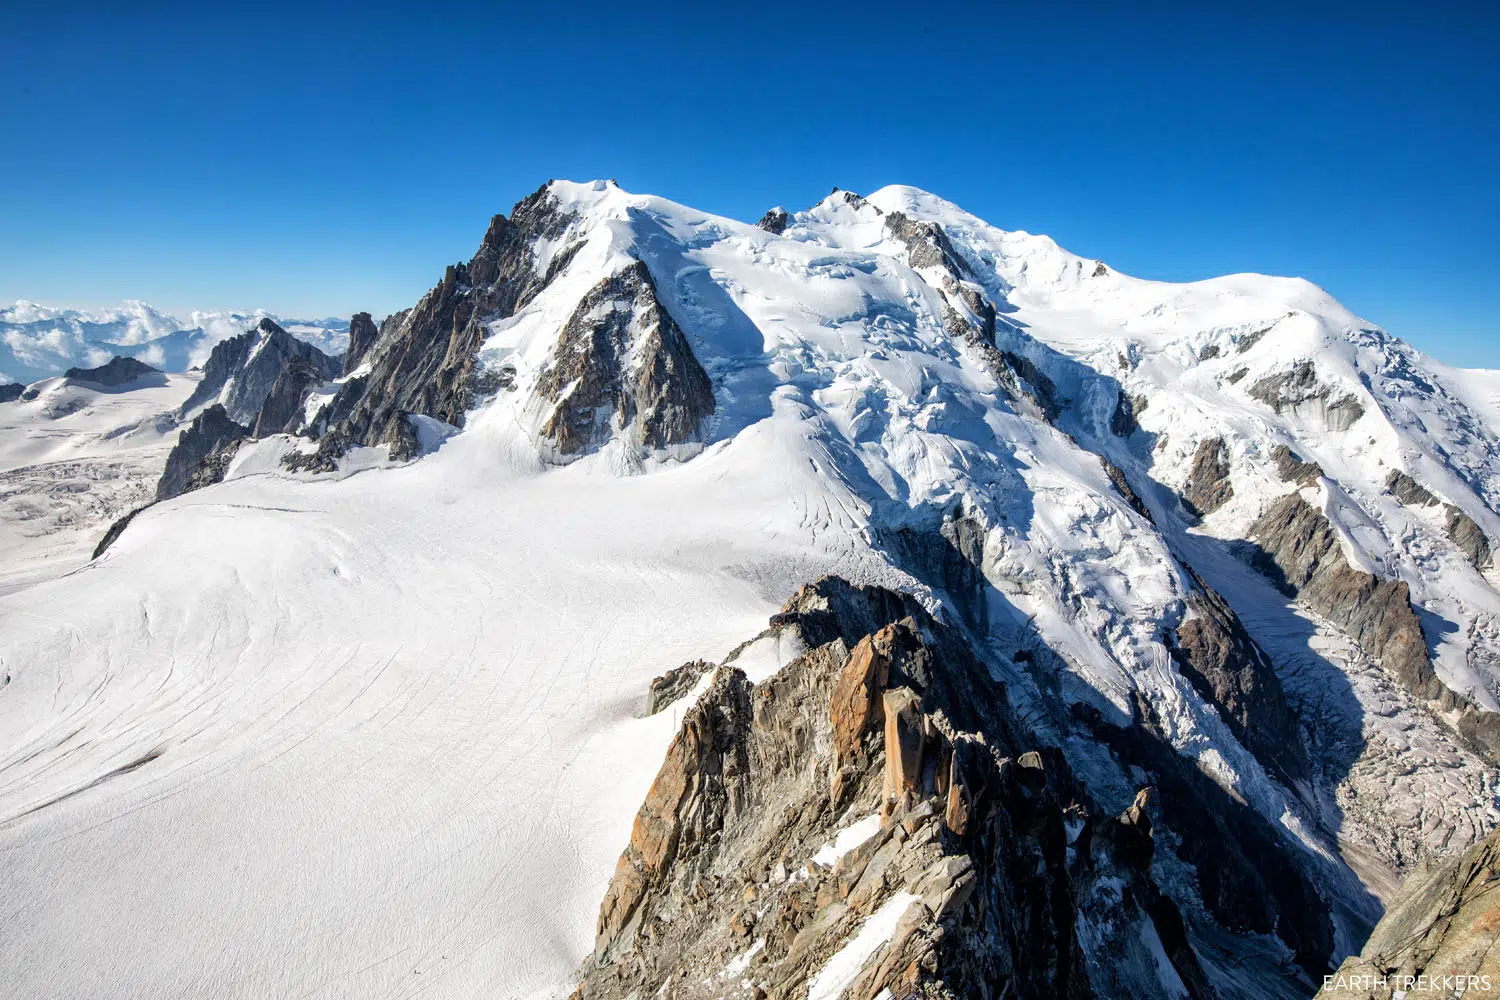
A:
989, 871
1300, 391
774, 221
1250, 339
926, 244
1462, 530
11, 391
1208, 487
673, 684
1408, 491
362, 336
1468, 536
947, 556
1301, 553
1248, 876
1037, 385
970, 317
621, 364
1292, 469
1228, 669
1437, 939
119, 371
116, 529
281, 410
1122, 484
203, 451
1122, 422
242, 371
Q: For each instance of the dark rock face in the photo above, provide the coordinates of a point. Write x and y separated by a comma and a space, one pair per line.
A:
928, 246
249, 365
362, 336
1299, 390
622, 363
1442, 925
774, 221
1249, 340
1122, 422
283, 403
281, 410
423, 360
1117, 477
947, 557
999, 875
1407, 490
401, 439
1036, 385
1462, 530
1019, 376
115, 531
1228, 669
1301, 553
1208, 487
202, 453
11, 391
1291, 468
119, 371
1468, 536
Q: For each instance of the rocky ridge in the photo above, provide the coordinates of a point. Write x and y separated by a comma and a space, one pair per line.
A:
987, 866
622, 364
242, 371
203, 451
118, 371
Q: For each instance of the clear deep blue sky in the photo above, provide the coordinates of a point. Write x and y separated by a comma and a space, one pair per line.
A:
316, 159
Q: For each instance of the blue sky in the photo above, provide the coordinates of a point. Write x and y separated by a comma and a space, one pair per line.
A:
317, 159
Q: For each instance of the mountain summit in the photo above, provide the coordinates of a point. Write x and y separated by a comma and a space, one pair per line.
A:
1004, 626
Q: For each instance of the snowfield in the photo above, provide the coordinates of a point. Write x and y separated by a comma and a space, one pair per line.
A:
71, 461
388, 723
379, 733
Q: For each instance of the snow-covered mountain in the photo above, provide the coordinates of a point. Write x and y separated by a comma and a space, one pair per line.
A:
360, 712
39, 341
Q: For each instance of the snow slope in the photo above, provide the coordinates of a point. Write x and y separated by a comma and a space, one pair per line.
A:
73, 459
375, 734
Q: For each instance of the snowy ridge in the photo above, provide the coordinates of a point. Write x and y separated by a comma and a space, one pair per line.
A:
38, 341
410, 688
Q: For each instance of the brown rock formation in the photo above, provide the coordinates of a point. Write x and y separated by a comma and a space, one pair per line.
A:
1208, 487
1437, 939
995, 888
1293, 469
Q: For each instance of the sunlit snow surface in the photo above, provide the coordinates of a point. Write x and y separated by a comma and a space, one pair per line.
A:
38, 341
73, 459
376, 734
